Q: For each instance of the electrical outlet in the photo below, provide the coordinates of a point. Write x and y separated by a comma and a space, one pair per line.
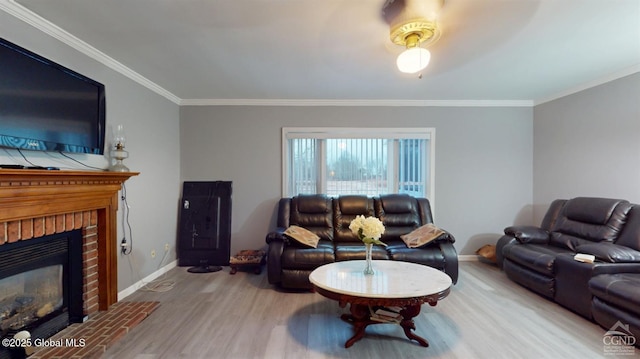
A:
166, 247
153, 253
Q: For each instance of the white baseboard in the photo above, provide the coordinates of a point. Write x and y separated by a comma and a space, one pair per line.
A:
131, 289
467, 258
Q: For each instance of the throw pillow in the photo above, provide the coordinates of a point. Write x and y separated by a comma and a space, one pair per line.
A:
303, 236
422, 235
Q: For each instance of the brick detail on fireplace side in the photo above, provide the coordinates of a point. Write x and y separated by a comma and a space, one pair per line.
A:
90, 266
25, 229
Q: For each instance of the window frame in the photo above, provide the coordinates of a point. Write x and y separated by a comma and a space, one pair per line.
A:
428, 133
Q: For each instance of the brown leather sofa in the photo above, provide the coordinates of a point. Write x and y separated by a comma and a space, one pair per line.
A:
542, 258
289, 263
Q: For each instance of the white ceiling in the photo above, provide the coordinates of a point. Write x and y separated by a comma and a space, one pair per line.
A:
221, 51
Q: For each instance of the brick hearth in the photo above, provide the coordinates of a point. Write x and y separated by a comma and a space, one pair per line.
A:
95, 336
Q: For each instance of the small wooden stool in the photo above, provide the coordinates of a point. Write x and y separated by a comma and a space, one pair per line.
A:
247, 258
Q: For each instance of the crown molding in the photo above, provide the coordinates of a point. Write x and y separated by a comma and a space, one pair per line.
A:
354, 103
20, 12
587, 85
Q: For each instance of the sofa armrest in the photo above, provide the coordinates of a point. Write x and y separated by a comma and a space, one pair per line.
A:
614, 268
277, 241
274, 261
610, 253
451, 260
503, 242
446, 237
528, 234
277, 236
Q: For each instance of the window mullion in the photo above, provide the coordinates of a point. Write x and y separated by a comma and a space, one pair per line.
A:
321, 166
392, 166
288, 175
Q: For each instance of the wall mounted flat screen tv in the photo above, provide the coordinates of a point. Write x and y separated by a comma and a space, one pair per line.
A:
47, 107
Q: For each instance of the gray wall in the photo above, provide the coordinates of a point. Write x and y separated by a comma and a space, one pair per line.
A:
151, 124
483, 161
588, 144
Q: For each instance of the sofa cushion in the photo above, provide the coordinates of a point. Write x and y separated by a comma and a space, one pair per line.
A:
313, 212
611, 316
550, 218
397, 204
303, 236
567, 241
591, 219
399, 213
541, 284
345, 209
609, 252
422, 235
594, 210
311, 203
537, 257
295, 257
630, 236
622, 290
431, 256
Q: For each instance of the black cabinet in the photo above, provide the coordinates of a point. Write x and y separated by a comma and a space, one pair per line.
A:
205, 225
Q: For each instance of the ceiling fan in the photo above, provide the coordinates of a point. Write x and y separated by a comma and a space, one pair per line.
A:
413, 24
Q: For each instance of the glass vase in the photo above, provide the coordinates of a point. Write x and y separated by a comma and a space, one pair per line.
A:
368, 269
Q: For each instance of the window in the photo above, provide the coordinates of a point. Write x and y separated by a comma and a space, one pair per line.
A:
339, 161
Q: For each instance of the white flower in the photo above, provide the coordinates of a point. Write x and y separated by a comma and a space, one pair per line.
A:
369, 229
356, 224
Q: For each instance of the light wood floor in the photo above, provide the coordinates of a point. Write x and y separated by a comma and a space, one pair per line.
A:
217, 315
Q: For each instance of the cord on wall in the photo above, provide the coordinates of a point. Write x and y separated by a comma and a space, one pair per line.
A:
125, 247
157, 285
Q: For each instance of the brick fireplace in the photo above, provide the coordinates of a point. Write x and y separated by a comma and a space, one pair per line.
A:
35, 203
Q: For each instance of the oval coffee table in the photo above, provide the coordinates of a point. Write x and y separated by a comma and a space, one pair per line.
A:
395, 286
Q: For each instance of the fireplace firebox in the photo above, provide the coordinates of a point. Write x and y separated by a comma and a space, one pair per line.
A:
41, 289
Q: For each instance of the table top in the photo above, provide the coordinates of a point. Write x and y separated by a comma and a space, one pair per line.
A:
392, 279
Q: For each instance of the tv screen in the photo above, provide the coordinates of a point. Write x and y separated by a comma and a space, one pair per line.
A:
47, 107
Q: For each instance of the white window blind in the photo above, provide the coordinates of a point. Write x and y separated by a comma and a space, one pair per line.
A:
338, 161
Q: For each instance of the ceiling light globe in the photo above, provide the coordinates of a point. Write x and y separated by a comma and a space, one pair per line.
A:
413, 60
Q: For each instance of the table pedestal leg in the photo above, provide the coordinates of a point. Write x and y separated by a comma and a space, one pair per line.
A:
408, 325
360, 319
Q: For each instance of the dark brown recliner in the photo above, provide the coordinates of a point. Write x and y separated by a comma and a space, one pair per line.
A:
289, 263
542, 258
616, 296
